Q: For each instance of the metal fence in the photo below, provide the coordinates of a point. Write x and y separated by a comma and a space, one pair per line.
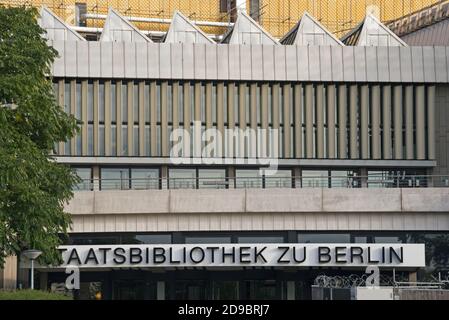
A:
276, 16
262, 182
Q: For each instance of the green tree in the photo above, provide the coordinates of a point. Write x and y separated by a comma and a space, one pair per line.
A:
33, 187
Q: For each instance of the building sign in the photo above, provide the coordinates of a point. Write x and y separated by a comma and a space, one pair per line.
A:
249, 255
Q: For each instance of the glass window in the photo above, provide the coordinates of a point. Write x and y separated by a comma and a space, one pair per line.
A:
90, 139
101, 102
248, 178
144, 178
114, 179
260, 289
124, 140
190, 289
67, 93
225, 290
281, 179
75, 240
136, 103
206, 239
79, 144
78, 101
136, 140
85, 174
101, 140
182, 178
344, 179
212, 178
324, 238
113, 103
388, 239
315, 178
146, 239
90, 101
124, 102
260, 239
114, 139
90, 291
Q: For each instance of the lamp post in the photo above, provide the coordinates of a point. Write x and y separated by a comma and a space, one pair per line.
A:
32, 254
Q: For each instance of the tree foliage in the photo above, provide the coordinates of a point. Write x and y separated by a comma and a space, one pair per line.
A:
33, 187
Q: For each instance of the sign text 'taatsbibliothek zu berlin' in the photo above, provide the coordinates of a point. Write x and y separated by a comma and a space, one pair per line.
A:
237, 255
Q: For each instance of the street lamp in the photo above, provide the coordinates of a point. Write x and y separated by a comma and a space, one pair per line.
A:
32, 254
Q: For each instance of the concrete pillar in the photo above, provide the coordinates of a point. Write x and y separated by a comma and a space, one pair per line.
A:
107, 118
8, 275
231, 119
164, 119
375, 123
364, 114
153, 117
409, 146
286, 120
141, 118
253, 120
331, 133
386, 122
309, 120
97, 121
420, 122
431, 123
208, 100
96, 177
73, 112
242, 118
353, 93
43, 281
297, 177
61, 102
231, 176
264, 118
298, 121
119, 117
220, 118
291, 290
84, 117
320, 121
160, 285
164, 177
175, 97
274, 145
342, 122
398, 151
364, 177
130, 87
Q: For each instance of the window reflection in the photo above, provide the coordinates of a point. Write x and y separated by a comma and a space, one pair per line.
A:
144, 179
248, 178
114, 179
212, 179
85, 174
182, 178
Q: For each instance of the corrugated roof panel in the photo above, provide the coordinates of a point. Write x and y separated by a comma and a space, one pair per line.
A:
118, 29
308, 31
247, 31
56, 28
433, 35
182, 30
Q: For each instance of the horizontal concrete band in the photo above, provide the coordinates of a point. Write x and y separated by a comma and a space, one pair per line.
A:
348, 163
241, 201
261, 222
137, 60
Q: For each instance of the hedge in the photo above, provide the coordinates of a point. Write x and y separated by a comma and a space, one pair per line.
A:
31, 295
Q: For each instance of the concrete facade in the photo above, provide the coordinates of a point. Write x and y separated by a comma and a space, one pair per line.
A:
269, 209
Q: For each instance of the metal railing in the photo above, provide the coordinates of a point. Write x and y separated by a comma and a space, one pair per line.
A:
267, 182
